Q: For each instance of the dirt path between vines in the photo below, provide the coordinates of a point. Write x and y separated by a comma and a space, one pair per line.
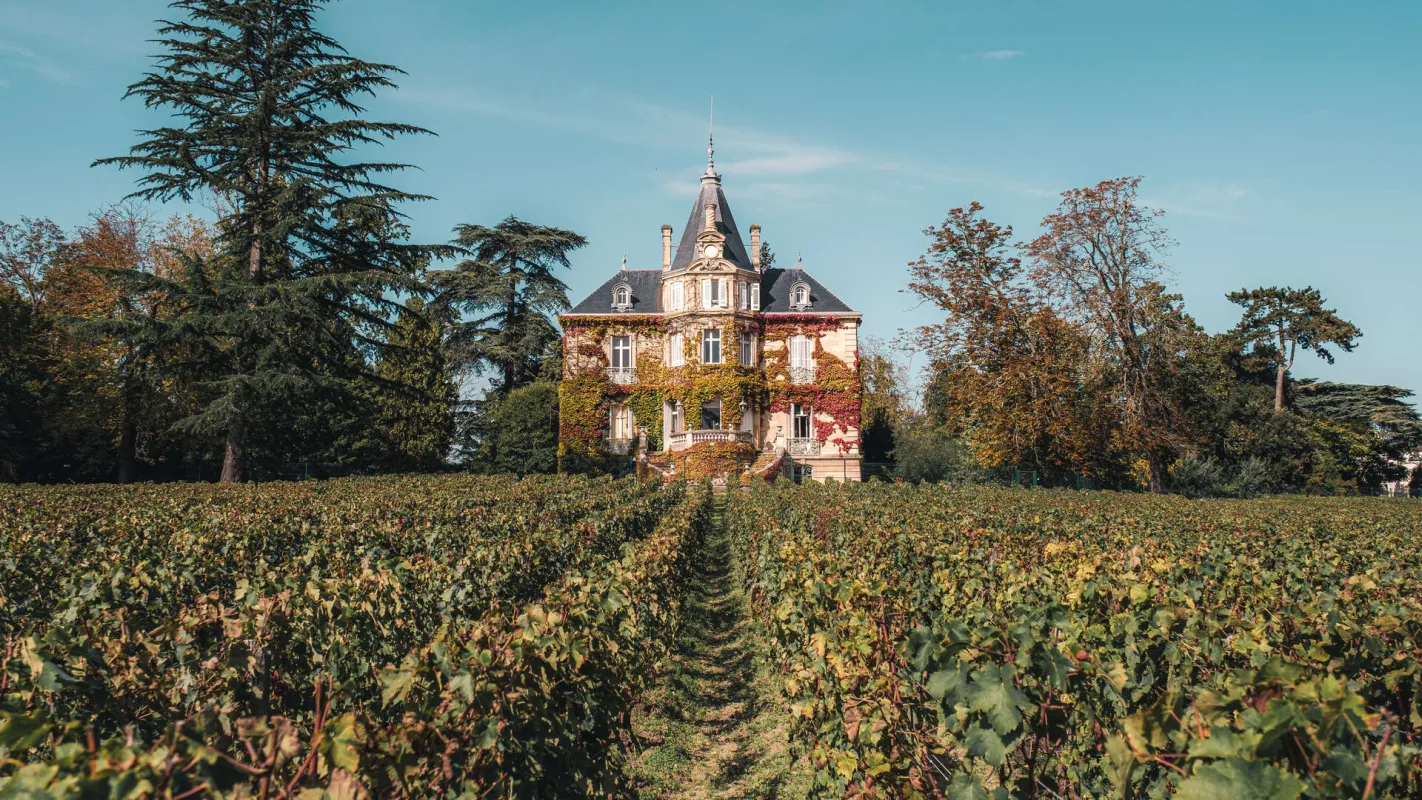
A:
715, 728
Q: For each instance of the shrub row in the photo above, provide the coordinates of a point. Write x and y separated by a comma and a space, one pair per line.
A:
988, 642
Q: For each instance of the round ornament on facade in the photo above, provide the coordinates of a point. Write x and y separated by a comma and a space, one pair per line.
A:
712, 251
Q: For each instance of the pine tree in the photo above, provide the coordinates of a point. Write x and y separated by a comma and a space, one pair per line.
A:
267, 114
417, 400
509, 284
1284, 320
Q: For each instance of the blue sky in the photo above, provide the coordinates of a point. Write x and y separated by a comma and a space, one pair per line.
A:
1281, 138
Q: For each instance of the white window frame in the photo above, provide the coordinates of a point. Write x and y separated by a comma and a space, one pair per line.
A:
619, 421
674, 296
622, 296
710, 337
625, 348
743, 290
677, 356
802, 351
800, 296
799, 411
747, 350
675, 421
713, 293
755, 297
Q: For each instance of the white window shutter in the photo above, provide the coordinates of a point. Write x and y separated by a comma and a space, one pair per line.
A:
705, 292
755, 297
724, 286
676, 350
674, 296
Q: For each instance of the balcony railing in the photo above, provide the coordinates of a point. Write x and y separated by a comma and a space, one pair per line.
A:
618, 447
622, 375
685, 439
803, 374
803, 447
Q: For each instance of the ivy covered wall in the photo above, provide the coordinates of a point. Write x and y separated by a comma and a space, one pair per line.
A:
587, 394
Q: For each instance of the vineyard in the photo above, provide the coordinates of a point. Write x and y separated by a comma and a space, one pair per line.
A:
562, 637
1000, 643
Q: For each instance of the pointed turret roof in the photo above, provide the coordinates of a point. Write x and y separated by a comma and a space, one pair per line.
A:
710, 193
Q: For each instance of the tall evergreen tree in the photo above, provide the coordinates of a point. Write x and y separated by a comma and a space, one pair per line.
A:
1282, 320
509, 285
267, 113
417, 400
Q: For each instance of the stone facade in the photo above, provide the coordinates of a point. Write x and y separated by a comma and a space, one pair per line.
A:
714, 363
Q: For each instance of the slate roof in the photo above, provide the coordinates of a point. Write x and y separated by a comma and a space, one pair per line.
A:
775, 286
646, 293
725, 223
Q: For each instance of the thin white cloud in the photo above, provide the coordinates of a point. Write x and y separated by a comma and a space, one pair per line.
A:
995, 55
764, 159
30, 61
1209, 199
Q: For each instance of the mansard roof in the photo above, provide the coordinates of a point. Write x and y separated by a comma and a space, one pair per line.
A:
646, 285
776, 285
735, 250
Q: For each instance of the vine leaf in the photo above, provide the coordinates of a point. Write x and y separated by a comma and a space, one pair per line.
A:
993, 693
1238, 779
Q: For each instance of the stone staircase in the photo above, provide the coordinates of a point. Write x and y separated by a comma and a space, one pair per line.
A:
767, 465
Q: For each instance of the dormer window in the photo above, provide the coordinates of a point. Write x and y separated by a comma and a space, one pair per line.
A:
800, 296
622, 298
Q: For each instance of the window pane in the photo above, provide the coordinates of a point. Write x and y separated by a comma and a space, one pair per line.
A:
711, 347
622, 352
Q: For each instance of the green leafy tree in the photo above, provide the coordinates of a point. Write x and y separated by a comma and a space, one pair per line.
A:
1285, 320
522, 435
509, 286
28, 250
884, 401
767, 256
1383, 409
21, 373
418, 397
265, 110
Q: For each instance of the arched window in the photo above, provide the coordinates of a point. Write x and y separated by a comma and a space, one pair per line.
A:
800, 296
622, 297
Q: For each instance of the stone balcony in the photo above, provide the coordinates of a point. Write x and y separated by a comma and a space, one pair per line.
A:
803, 447
684, 439
622, 375
803, 375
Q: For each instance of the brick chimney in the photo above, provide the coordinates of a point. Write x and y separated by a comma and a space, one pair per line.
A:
755, 246
666, 248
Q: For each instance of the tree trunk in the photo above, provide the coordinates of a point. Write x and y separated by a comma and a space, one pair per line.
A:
1156, 461
128, 437
1279, 389
232, 461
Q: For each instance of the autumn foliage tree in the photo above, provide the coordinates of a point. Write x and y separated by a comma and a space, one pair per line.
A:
1101, 259
1009, 368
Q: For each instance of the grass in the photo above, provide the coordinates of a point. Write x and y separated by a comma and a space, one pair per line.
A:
716, 727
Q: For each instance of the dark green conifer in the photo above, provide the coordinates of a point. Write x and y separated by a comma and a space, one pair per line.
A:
266, 118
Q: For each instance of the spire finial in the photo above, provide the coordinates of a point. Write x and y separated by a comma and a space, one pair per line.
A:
624, 262
711, 139
798, 262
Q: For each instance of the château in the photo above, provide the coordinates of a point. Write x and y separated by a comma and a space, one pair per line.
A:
713, 363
